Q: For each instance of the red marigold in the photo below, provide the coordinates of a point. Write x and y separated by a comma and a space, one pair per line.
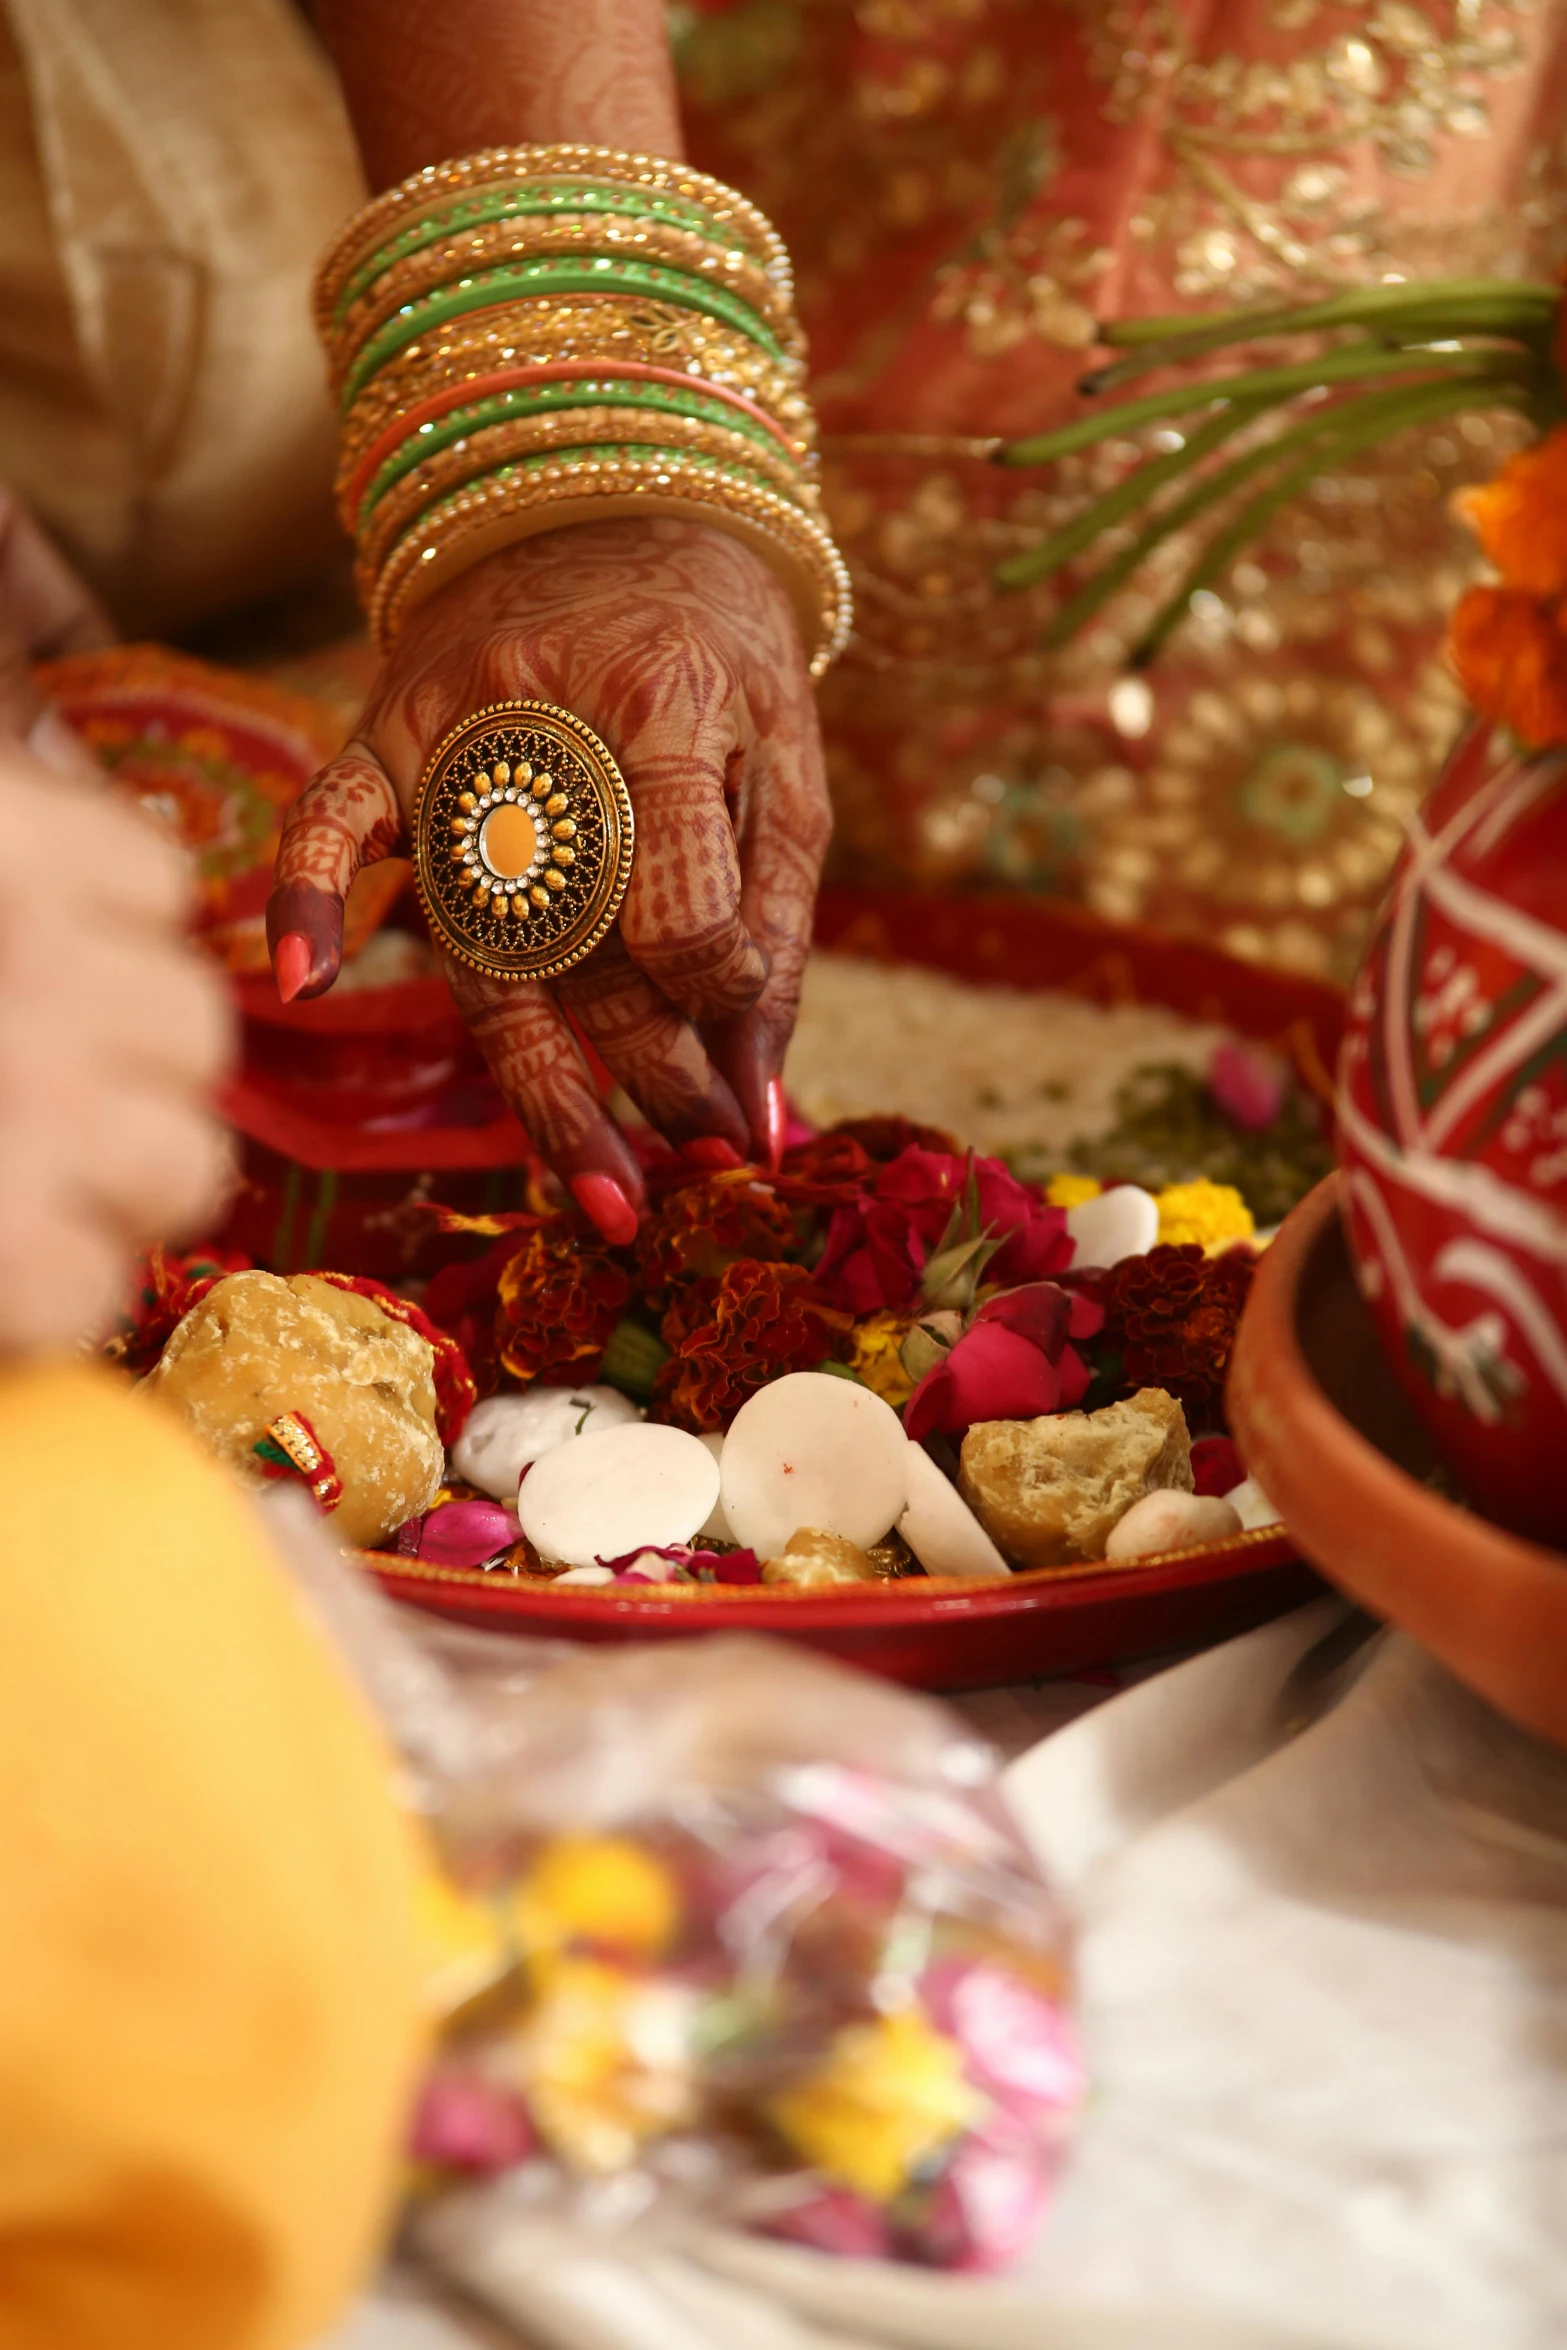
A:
886, 1138
1172, 1315
731, 1336
167, 1287
823, 1172
699, 1228
558, 1301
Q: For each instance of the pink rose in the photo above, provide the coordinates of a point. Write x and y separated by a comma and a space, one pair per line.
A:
1013, 1362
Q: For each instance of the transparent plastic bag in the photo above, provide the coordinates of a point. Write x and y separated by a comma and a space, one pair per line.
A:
728, 1924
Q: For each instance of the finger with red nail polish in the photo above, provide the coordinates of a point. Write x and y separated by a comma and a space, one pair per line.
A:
656, 1055
601, 1198
538, 1064
348, 818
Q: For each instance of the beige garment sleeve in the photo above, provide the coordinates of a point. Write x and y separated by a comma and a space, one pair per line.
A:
169, 172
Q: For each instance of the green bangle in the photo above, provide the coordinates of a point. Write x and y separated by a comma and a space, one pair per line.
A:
545, 196
598, 276
544, 400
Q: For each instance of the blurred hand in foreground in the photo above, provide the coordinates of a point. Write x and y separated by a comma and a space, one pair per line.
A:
112, 1033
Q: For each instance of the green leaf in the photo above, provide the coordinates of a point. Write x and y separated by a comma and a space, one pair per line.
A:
633, 1358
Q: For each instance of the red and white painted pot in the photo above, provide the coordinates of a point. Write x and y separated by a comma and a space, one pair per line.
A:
1452, 1108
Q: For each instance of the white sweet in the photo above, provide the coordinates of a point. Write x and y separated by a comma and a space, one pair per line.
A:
617, 1489
941, 1529
1119, 1223
507, 1432
1167, 1520
812, 1450
1251, 1505
715, 1527
587, 1575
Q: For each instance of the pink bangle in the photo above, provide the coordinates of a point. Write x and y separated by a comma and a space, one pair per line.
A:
510, 379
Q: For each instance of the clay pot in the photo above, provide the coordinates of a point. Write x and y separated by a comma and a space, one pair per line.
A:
1453, 1129
1337, 1447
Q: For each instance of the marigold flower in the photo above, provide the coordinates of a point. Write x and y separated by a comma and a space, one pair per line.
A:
1520, 517
1070, 1191
1510, 651
699, 1228
1171, 1316
167, 1287
558, 1301
1214, 1215
731, 1336
831, 1167
876, 1357
886, 1138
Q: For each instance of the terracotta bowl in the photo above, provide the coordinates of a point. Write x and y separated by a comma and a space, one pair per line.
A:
1332, 1440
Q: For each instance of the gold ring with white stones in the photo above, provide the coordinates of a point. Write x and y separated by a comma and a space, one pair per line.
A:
523, 840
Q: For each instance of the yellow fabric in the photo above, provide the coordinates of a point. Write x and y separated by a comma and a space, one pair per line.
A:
208, 1977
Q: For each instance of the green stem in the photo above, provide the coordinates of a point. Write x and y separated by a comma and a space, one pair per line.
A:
1436, 401
1141, 484
1363, 306
1411, 329
1265, 385
1367, 420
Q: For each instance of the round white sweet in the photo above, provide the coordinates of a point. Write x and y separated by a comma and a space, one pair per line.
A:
1119, 1223
1167, 1520
1251, 1505
813, 1450
941, 1529
599, 1495
715, 1526
506, 1433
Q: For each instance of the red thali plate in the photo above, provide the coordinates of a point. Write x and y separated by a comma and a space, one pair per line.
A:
933, 1634
958, 1635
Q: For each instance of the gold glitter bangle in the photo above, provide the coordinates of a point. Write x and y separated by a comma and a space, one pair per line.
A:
498, 444
602, 328
531, 239
380, 219
497, 513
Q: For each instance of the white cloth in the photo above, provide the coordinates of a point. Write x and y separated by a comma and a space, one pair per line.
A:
1321, 1899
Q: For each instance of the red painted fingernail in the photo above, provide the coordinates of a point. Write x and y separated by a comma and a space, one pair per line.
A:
291, 961
711, 1150
601, 1197
777, 1122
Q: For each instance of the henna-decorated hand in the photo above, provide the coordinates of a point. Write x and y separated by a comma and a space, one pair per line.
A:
679, 648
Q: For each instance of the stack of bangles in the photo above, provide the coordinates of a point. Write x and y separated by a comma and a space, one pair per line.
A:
535, 336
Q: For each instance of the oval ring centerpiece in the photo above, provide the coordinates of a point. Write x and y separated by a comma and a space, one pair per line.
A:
523, 840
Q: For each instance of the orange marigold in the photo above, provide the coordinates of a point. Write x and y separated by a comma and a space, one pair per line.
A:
731, 1336
558, 1301
1520, 518
1510, 652
699, 1228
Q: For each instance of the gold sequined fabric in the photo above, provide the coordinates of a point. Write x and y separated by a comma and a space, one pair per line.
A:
966, 186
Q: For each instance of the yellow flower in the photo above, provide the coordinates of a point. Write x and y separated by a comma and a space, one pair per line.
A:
1070, 1191
606, 2059
601, 1889
461, 1941
889, 2094
875, 1360
1212, 1214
